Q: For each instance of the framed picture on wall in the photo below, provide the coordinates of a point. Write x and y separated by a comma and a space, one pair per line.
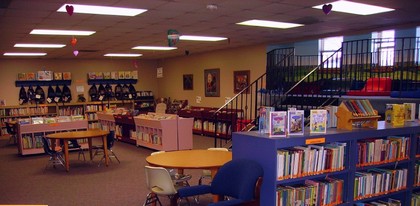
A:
188, 82
212, 82
240, 81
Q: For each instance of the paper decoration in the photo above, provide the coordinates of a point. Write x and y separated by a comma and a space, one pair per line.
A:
75, 52
327, 8
69, 9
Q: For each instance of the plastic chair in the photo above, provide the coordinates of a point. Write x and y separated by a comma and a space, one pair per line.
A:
176, 178
159, 182
75, 145
100, 149
238, 179
56, 157
12, 133
206, 174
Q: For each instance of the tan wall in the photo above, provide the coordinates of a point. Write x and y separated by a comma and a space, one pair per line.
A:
9, 69
171, 85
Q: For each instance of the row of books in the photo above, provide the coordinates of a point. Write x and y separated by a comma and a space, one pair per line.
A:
415, 199
94, 108
378, 181
114, 75
28, 142
307, 160
49, 120
398, 114
313, 192
92, 116
28, 111
379, 151
291, 122
149, 137
44, 76
67, 111
389, 202
360, 107
94, 125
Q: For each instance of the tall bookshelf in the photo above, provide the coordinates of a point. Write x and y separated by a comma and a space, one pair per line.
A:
264, 149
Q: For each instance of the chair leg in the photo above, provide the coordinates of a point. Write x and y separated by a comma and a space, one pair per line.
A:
113, 154
152, 198
81, 153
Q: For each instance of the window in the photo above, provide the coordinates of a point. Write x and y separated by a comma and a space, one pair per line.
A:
417, 53
383, 47
328, 47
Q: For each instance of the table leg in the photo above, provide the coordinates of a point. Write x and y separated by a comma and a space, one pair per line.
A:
216, 198
104, 141
66, 154
90, 148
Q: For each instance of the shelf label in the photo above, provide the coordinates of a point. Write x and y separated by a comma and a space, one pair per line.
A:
315, 140
53, 124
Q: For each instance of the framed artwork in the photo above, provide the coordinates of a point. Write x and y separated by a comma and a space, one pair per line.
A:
212, 82
240, 81
188, 81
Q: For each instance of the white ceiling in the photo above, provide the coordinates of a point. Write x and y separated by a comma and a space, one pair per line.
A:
117, 34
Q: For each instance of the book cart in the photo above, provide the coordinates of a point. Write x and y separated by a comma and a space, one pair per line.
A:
171, 133
374, 172
29, 135
358, 113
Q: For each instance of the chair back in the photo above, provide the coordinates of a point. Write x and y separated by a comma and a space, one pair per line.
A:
159, 181
46, 146
238, 179
10, 129
110, 139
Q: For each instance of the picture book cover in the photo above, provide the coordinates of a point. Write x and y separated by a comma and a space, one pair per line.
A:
295, 122
277, 124
66, 76
263, 119
410, 111
318, 121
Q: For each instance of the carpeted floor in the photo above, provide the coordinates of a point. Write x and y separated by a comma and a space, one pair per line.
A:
23, 179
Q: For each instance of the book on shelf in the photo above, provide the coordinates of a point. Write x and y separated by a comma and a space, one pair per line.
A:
37, 120
263, 119
277, 123
318, 121
295, 122
409, 111
395, 114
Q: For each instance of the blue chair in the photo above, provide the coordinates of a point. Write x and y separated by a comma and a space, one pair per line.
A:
238, 179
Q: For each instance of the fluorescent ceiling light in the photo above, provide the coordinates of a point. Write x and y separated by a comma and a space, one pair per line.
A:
40, 45
201, 38
270, 24
122, 55
154, 48
61, 32
355, 8
102, 10
24, 54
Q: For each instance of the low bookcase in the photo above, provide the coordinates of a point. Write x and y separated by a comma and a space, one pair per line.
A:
390, 154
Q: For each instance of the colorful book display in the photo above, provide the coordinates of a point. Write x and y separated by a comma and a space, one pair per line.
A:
359, 113
395, 114
264, 116
277, 124
318, 121
295, 122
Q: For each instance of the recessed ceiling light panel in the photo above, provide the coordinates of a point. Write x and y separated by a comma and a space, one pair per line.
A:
23, 54
122, 55
40, 45
102, 10
355, 8
154, 48
270, 24
61, 32
201, 38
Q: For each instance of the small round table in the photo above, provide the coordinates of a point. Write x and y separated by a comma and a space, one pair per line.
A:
89, 134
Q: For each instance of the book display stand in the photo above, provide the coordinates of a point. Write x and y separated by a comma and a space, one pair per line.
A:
360, 114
